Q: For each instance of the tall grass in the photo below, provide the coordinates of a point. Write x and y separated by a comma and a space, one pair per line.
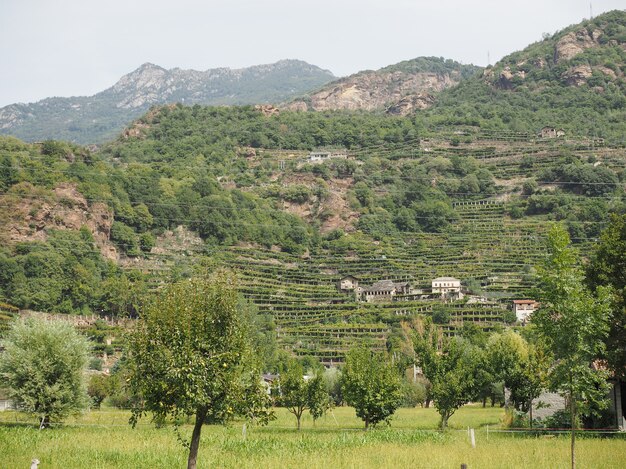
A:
102, 439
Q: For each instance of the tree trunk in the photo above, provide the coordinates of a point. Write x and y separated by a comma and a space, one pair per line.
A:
44, 422
444, 421
195, 438
484, 401
298, 416
530, 413
427, 403
367, 423
572, 406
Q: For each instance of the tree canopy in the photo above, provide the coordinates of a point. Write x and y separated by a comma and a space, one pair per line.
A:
190, 355
43, 365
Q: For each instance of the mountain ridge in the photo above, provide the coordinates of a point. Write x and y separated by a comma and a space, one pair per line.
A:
93, 119
397, 89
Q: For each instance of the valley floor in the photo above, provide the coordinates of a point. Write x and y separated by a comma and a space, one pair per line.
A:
103, 439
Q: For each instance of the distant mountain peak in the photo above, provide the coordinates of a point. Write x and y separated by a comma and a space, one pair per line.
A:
95, 118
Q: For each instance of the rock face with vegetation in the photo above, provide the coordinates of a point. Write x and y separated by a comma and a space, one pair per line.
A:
96, 118
399, 89
590, 54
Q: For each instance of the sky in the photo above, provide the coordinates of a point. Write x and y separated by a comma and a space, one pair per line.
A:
80, 47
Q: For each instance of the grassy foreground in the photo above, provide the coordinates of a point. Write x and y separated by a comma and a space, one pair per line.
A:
103, 439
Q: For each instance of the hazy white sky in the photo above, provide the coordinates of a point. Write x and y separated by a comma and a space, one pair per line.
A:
79, 47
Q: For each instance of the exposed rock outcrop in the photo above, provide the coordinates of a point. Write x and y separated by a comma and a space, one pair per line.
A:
411, 104
577, 76
396, 91
507, 78
572, 44
65, 209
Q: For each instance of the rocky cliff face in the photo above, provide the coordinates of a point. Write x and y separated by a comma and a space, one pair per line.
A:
399, 89
591, 53
30, 218
94, 119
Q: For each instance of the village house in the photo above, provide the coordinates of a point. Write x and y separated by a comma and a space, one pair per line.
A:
447, 288
383, 290
523, 309
347, 284
323, 155
551, 132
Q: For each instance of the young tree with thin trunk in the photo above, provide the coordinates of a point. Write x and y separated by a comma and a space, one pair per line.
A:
521, 366
190, 355
299, 393
451, 366
293, 391
372, 385
573, 324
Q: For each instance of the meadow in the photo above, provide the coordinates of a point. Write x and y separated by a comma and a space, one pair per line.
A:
103, 439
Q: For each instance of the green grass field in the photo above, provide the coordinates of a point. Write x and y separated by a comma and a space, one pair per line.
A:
103, 439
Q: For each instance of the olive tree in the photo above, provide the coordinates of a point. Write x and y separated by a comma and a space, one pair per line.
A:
190, 355
43, 366
372, 385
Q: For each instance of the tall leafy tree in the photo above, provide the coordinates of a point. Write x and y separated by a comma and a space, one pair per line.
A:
451, 366
521, 366
608, 267
43, 365
190, 355
372, 385
573, 324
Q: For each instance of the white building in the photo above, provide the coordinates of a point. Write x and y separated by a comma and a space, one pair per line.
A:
447, 287
523, 309
323, 155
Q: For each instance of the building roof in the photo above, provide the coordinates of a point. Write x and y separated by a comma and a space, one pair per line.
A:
446, 279
382, 285
524, 302
348, 276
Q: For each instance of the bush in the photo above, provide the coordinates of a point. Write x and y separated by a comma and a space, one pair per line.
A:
43, 365
413, 393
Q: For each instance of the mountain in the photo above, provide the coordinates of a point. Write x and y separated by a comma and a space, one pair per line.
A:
572, 80
97, 118
589, 54
397, 89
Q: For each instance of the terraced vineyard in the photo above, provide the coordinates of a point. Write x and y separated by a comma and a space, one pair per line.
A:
486, 247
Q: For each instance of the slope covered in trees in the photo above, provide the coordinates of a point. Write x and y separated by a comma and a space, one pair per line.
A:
465, 189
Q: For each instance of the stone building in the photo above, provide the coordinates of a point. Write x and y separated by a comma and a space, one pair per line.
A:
383, 290
551, 132
347, 284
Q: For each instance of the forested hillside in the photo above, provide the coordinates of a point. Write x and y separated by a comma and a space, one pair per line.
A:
465, 189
